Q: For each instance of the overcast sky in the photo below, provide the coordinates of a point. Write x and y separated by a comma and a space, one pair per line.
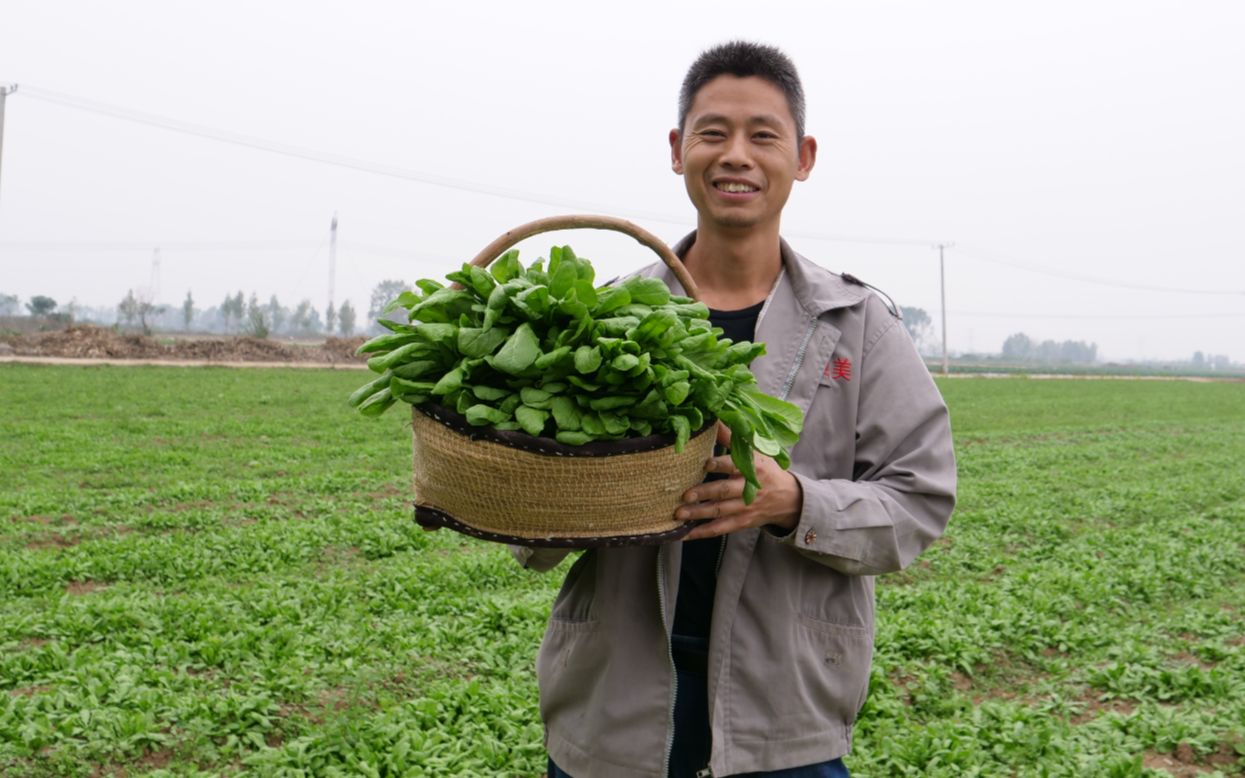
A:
1083, 157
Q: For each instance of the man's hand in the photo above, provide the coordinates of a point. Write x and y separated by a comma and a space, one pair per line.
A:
778, 502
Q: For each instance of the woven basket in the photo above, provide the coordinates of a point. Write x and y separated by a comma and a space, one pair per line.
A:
514, 488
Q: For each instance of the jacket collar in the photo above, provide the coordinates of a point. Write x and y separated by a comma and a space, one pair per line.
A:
815, 288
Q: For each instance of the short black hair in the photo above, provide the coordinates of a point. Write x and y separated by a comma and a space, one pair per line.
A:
743, 59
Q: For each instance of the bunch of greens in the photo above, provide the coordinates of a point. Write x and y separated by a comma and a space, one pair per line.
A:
540, 349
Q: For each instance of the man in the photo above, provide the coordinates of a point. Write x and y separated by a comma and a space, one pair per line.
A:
745, 649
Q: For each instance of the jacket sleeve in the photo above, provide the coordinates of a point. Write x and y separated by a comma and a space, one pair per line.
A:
539, 559
903, 489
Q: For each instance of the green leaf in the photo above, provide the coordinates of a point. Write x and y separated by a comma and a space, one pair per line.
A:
562, 277
481, 415
591, 424
378, 403
610, 298
677, 392
386, 342
533, 302
489, 393
536, 398
404, 300
611, 402
480, 342
587, 359
573, 437
506, 266
547, 361
418, 369
496, 306
450, 382
624, 362
682, 432
566, 414
429, 286
519, 352
367, 390
532, 420
443, 305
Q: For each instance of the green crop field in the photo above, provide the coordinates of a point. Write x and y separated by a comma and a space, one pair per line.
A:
212, 571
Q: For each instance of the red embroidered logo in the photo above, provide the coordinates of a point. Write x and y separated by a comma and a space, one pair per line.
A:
838, 368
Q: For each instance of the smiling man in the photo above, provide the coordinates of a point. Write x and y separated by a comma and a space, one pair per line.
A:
746, 648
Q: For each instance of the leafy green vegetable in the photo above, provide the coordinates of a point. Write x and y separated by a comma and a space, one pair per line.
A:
540, 349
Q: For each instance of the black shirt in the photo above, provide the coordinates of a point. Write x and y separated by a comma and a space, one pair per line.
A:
698, 576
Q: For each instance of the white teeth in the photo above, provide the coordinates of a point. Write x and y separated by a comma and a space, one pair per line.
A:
731, 186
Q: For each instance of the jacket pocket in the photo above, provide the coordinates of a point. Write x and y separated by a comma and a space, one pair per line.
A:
576, 599
836, 663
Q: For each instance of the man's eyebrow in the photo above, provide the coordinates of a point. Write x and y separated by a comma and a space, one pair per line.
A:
768, 119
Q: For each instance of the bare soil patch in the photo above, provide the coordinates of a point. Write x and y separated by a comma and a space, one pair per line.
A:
84, 587
85, 341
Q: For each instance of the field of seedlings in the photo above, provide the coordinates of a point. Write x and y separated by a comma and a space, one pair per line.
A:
206, 571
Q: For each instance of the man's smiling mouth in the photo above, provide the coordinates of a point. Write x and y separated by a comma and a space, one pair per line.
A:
735, 187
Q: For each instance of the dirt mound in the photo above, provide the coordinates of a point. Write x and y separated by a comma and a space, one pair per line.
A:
84, 341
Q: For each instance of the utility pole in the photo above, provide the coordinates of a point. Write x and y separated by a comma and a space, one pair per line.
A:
942, 282
5, 91
155, 275
332, 261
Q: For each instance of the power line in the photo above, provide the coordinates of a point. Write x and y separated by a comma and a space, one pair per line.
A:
285, 149
1029, 268
1131, 316
175, 245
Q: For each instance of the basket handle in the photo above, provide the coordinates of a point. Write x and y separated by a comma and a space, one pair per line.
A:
573, 222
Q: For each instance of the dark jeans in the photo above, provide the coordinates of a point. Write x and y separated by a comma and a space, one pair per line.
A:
691, 736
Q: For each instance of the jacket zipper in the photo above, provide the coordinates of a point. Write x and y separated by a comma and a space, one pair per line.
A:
674, 674
799, 358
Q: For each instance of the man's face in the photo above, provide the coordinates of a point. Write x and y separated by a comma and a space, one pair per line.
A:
738, 153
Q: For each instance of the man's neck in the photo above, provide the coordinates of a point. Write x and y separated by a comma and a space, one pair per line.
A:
734, 270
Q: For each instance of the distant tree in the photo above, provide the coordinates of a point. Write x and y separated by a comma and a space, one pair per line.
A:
188, 310
1021, 348
306, 319
1199, 359
385, 292
345, 319
233, 309
276, 314
1017, 346
127, 309
238, 306
920, 327
258, 323
8, 304
40, 305
138, 306
1078, 352
330, 319
1220, 362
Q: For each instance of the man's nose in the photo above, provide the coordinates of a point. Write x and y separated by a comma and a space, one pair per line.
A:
737, 153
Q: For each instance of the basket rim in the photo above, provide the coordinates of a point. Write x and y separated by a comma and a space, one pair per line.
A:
548, 446
431, 518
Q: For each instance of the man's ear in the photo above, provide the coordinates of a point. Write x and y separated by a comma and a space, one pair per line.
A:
808, 157
676, 151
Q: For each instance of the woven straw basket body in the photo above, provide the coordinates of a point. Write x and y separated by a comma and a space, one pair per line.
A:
514, 488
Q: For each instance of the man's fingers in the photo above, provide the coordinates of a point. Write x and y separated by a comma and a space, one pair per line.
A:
715, 509
722, 464
717, 527
724, 434
715, 490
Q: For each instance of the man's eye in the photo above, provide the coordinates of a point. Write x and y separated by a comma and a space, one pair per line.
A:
765, 136
713, 134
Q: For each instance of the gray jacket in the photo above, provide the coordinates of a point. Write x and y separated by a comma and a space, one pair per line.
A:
792, 631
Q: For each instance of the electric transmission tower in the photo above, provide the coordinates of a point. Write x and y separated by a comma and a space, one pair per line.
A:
5, 91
